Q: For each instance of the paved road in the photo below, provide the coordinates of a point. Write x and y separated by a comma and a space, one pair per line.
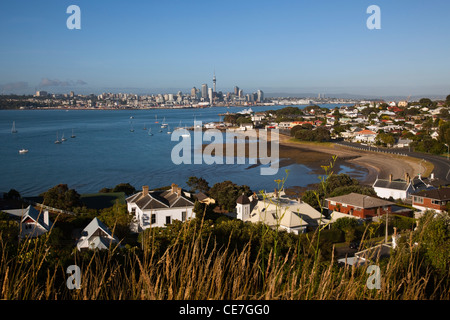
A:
441, 165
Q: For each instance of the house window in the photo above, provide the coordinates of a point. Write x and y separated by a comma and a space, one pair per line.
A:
153, 218
133, 210
333, 203
183, 215
168, 219
437, 202
418, 199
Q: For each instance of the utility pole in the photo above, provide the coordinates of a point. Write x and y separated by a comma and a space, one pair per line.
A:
386, 233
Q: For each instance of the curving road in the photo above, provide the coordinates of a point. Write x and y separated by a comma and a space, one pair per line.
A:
441, 165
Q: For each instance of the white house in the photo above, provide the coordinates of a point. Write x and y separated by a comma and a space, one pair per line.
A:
365, 136
278, 211
397, 189
33, 223
96, 235
158, 208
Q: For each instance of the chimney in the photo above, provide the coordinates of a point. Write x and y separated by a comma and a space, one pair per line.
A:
390, 177
407, 179
46, 219
144, 191
173, 188
179, 191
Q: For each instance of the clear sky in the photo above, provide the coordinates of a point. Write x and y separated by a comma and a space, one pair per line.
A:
278, 46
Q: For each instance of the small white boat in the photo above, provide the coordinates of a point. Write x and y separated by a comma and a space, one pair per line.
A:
22, 151
72, 136
168, 130
62, 138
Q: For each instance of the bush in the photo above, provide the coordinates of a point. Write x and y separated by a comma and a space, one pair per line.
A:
332, 235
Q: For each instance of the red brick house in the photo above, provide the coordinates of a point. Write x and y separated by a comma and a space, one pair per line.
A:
359, 205
431, 199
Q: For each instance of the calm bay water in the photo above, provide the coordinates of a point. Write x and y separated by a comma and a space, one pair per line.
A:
105, 152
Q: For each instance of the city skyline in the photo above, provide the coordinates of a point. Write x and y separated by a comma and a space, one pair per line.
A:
292, 47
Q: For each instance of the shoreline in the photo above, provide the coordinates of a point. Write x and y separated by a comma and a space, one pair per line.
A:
314, 155
376, 164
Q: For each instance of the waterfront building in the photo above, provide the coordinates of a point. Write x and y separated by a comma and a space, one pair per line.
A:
159, 208
236, 91
193, 92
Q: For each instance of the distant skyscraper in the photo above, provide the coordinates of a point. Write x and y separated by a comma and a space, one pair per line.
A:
210, 95
193, 92
204, 91
236, 90
214, 82
241, 93
260, 96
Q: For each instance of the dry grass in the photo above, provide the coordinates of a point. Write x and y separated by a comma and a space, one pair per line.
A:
199, 270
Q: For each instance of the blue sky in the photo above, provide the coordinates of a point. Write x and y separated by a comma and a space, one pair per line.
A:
278, 46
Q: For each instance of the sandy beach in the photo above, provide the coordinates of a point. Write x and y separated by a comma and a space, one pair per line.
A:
315, 155
376, 164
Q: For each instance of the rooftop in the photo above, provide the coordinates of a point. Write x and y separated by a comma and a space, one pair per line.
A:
360, 200
438, 194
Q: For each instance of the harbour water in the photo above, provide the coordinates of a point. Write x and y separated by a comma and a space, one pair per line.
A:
105, 152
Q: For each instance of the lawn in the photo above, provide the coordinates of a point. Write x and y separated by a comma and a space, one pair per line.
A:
102, 200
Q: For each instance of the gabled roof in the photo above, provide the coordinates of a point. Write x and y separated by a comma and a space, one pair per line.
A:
94, 226
360, 200
365, 131
160, 200
36, 216
96, 235
394, 184
437, 194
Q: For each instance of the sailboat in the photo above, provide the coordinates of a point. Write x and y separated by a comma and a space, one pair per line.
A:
150, 132
62, 138
168, 130
145, 127
57, 140
131, 129
72, 136
156, 118
164, 124
22, 151
13, 130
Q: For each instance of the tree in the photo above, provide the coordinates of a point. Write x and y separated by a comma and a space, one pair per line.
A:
198, 185
117, 219
126, 188
433, 234
61, 197
385, 139
226, 193
13, 194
